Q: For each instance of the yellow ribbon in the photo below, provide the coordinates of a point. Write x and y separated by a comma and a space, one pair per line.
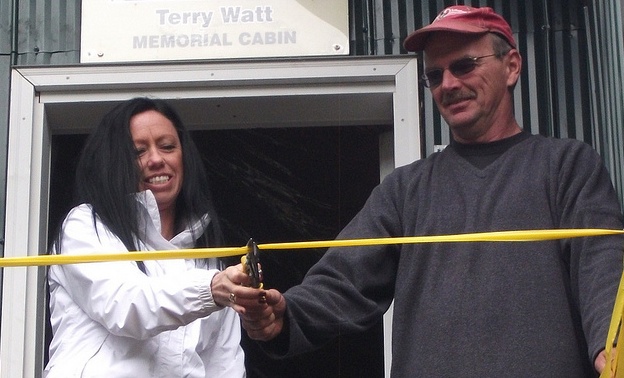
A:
613, 359
197, 253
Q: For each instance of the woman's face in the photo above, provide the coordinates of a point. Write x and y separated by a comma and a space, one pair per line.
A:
159, 154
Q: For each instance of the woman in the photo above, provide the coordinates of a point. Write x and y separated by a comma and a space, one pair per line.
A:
140, 185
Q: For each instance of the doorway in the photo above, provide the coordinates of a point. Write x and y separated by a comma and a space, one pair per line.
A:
276, 185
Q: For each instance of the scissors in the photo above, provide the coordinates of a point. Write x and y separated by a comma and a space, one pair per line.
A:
251, 264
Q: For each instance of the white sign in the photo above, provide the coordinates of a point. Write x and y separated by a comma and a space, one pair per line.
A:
156, 30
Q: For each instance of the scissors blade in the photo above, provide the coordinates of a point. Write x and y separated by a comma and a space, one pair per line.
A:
251, 264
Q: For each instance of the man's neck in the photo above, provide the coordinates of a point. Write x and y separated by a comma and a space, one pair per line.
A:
491, 134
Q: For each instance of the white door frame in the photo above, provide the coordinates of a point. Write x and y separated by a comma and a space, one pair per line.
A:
38, 92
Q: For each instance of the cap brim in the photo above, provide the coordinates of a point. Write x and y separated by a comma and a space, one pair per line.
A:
418, 39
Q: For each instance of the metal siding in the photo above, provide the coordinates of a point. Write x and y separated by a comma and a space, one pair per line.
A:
360, 27
528, 38
6, 34
550, 91
604, 38
48, 32
554, 94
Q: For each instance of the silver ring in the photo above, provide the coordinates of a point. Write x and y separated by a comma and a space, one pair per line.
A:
232, 298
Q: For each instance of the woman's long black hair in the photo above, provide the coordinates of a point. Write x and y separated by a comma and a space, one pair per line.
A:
108, 173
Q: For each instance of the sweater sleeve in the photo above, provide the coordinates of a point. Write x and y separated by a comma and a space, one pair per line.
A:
350, 288
587, 200
117, 294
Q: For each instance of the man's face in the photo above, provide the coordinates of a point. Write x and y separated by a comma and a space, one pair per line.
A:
472, 95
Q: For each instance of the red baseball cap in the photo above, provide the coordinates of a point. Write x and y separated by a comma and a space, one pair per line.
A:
461, 19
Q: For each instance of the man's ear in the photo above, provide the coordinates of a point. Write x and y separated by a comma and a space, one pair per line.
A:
514, 66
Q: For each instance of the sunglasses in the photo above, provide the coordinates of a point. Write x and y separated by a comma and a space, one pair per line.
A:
458, 68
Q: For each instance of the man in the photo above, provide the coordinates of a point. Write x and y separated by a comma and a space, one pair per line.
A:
531, 309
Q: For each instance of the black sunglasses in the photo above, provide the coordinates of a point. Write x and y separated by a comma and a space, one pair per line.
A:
458, 68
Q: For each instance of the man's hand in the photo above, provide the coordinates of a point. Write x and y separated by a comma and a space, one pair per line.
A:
601, 362
261, 311
265, 321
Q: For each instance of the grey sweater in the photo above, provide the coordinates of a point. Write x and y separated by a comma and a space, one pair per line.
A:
486, 309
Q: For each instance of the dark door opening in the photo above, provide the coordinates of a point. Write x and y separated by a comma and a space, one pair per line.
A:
276, 185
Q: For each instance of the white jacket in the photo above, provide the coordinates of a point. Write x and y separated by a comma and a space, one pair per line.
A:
112, 320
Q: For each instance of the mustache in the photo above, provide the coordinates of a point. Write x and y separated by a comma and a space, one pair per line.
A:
452, 97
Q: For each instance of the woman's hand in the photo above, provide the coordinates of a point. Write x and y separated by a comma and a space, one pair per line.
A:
229, 289
261, 311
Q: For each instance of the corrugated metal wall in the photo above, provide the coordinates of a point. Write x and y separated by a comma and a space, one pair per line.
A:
570, 86
553, 93
606, 84
5, 69
48, 32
